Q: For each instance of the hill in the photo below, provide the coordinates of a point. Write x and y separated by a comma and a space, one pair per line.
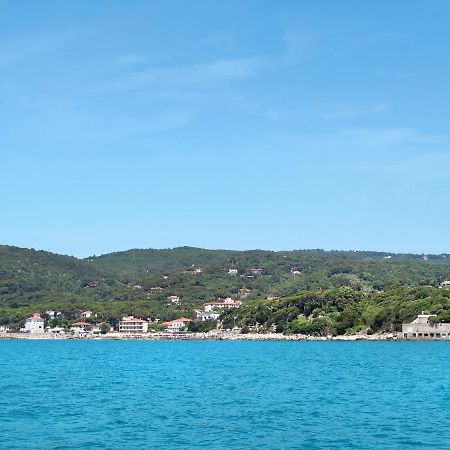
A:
139, 281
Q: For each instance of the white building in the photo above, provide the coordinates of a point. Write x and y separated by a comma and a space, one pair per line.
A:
445, 284
220, 304
34, 324
55, 330
133, 324
205, 316
422, 328
174, 299
86, 314
193, 270
81, 327
177, 324
232, 272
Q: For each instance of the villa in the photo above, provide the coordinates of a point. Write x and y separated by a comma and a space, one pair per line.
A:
232, 272
422, 328
177, 324
81, 327
34, 324
133, 324
226, 303
445, 284
86, 314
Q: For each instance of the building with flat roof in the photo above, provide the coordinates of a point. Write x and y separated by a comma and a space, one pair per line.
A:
133, 324
221, 304
422, 328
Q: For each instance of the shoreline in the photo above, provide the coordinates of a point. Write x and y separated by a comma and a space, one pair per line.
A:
195, 337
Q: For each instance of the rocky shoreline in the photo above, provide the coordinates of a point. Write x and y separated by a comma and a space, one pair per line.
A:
215, 336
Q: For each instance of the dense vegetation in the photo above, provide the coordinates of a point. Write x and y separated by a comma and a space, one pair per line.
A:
341, 310
321, 291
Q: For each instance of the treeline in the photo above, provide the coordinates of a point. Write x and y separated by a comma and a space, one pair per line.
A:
340, 311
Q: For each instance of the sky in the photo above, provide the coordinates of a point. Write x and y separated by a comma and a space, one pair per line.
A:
225, 124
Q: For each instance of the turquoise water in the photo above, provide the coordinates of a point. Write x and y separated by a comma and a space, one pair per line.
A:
224, 395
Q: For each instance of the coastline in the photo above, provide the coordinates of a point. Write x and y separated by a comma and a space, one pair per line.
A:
196, 337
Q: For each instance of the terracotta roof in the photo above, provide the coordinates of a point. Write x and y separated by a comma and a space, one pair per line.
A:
132, 319
223, 303
181, 319
80, 324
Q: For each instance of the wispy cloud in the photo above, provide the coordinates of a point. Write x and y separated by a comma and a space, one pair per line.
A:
341, 111
212, 74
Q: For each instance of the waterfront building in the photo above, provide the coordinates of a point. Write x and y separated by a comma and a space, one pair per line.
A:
220, 304
422, 328
177, 324
133, 324
55, 330
81, 327
34, 324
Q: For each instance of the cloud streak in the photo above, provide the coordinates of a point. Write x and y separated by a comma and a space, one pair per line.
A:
218, 73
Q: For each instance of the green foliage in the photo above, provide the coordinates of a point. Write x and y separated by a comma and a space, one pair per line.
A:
342, 311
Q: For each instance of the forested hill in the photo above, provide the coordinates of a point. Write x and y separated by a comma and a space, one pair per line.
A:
313, 268
33, 276
139, 281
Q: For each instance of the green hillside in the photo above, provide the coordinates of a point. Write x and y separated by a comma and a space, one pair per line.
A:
139, 281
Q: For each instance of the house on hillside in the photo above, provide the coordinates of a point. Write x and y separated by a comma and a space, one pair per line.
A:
232, 272
422, 328
174, 299
133, 324
193, 270
445, 284
257, 271
205, 316
296, 271
34, 324
86, 314
221, 304
244, 292
177, 324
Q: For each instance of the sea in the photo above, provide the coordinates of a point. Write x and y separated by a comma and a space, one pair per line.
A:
224, 395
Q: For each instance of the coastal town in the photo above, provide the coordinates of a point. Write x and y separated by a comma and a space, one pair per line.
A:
130, 327
88, 325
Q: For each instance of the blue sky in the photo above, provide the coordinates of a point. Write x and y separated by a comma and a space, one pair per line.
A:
234, 124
